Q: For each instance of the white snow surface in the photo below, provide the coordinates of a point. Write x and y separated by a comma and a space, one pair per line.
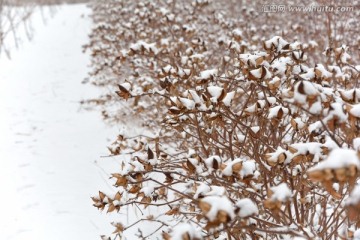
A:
50, 148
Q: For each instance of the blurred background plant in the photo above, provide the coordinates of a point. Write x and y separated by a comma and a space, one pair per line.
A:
15, 19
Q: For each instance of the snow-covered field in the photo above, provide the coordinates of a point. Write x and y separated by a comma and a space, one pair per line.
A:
49, 145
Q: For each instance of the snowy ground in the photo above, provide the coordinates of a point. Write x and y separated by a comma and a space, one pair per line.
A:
48, 145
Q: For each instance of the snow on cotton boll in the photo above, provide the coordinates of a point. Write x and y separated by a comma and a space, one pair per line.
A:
335, 116
341, 54
253, 60
196, 98
233, 167
281, 192
256, 107
299, 56
124, 90
309, 74
297, 124
276, 44
279, 65
341, 166
207, 75
213, 162
277, 196
237, 34
354, 114
204, 190
246, 208
245, 170
306, 152
350, 96
280, 156
248, 169
321, 72
217, 209
184, 231
143, 47
305, 93
228, 98
260, 74
187, 103
277, 112
273, 84
216, 93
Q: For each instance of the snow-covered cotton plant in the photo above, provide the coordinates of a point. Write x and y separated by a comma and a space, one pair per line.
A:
251, 137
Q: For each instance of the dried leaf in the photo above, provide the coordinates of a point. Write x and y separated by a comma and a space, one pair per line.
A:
117, 196
301, 88
134, 189
166, 236
119, 228
237, 167
190, 166
101, 196
120, 180
169, 178
146, 200
123, 93
215, 164
223, 217
173, 211
111, 208
150, 154
204, 206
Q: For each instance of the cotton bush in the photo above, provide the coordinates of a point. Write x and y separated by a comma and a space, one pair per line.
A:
255, 135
